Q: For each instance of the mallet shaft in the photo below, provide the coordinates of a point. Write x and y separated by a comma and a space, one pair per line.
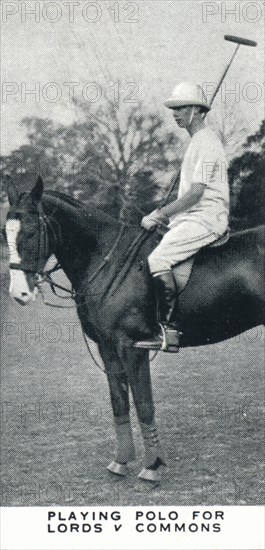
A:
224, 74
240, 42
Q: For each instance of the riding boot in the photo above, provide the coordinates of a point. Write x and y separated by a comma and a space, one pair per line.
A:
168, 338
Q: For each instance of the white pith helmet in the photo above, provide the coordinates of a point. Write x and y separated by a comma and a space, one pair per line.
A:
185, 94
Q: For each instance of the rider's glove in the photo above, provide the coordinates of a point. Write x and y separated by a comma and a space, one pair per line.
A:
152, 220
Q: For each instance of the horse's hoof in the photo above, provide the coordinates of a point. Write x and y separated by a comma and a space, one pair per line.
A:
118, 469
151, 475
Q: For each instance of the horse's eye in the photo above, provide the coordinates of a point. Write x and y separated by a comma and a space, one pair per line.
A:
29, 229
29, 233
3, 233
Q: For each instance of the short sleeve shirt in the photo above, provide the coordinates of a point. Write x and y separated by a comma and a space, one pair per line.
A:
205, 162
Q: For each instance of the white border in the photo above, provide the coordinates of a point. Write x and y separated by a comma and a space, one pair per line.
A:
25, 528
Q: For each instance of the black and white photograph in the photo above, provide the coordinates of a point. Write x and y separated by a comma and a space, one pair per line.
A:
132, 274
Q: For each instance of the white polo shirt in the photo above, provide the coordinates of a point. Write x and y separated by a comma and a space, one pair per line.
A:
205, 162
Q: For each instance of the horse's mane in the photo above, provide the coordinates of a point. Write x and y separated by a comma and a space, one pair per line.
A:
78, 207
64, 197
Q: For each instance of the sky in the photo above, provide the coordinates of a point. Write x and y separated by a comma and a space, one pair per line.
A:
148, 46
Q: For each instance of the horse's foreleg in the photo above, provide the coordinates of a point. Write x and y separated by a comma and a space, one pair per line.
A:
125, 451
119, 394
138, 369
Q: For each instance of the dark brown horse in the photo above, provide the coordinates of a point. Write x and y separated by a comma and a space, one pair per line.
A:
115, 299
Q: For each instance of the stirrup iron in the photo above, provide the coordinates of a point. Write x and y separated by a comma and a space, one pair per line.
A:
170, 339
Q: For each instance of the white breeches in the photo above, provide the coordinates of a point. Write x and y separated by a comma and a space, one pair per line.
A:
179, 243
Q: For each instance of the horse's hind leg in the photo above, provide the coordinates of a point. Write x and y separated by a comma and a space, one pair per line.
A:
138, 369
119, 394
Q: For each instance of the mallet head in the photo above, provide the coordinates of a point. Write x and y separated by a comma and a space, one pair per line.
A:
238, 40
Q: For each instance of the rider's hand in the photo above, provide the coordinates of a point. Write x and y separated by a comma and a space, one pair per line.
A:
152, 220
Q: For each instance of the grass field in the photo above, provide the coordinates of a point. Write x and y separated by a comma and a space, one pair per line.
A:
57, 431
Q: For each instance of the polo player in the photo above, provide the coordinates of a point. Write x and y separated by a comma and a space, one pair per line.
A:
197, 218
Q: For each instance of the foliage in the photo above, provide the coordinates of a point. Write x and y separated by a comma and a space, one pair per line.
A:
112, 156
228, 121
246, 177
122, 159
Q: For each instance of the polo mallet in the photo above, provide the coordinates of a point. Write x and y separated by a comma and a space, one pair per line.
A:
240, 42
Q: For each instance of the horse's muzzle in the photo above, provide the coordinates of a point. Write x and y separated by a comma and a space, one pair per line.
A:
25, 298
19, 288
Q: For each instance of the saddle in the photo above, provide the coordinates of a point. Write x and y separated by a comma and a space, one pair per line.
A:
182, 271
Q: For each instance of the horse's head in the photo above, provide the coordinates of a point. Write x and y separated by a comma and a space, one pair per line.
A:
27, 239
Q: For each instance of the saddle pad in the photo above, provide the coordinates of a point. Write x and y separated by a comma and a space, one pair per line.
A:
221, 241
182, 273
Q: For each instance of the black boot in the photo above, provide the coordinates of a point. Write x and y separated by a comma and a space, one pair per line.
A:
168, 339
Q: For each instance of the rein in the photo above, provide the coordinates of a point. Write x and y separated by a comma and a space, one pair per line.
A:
46, 277
132, 252
41, 275
109, 255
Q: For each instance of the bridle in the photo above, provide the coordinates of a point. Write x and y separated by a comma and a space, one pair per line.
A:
36, 266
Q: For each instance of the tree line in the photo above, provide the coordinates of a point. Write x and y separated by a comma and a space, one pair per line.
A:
124, 160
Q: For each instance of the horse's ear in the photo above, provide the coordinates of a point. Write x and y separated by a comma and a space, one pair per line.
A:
12, 191
37, 190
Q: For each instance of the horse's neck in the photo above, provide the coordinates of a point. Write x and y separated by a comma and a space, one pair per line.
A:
79, 236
